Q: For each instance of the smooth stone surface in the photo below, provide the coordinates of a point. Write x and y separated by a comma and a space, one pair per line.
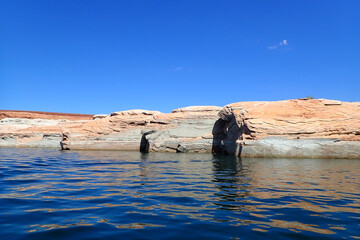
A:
301, 148
262, 129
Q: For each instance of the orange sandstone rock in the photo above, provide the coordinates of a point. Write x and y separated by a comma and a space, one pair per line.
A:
43, 115
289, 128
310, 118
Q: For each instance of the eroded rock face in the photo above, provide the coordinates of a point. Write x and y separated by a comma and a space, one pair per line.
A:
100, 116
44, 115
35, 132
141, 130
244, 128
197, 109
299, 119
135, 112
292, 128
278, 147
228, 132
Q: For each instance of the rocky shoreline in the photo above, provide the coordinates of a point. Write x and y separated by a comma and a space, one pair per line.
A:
299, 128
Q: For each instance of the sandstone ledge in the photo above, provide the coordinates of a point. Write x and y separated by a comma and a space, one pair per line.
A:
299, 128
43, 115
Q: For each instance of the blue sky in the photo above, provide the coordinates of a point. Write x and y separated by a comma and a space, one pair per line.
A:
105, 56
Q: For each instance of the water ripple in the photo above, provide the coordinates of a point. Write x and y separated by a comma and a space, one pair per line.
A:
48, 194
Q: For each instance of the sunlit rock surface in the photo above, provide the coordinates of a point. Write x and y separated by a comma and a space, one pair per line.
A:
304, 128
185, 130
35, 129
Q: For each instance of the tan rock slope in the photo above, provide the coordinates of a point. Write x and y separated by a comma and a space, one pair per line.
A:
43, 115
35, 129
185, 129
292, 128
312, 128
300, 118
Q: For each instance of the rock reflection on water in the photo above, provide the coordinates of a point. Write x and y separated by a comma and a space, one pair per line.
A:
230, 178
101, 194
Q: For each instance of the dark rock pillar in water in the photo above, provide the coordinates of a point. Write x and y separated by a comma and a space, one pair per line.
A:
227, 133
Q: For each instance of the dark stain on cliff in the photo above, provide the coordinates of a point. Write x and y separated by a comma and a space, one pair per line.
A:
63, 143
219, 135
226, 132
144, 143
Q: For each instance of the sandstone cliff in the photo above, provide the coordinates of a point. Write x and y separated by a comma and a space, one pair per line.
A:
43, 115
183, 130
291, 128
35, 129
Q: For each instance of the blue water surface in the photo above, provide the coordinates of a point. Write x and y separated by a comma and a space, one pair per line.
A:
50, 194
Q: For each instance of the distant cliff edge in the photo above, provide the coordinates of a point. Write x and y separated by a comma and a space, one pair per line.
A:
299, 128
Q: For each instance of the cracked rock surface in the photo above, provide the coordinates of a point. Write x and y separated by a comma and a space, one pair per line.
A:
291, 128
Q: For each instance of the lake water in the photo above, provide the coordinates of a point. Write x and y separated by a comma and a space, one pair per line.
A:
49, 194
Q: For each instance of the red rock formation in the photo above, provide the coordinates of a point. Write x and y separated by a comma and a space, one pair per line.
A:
35, 129
299, 118
43, 115
295, 128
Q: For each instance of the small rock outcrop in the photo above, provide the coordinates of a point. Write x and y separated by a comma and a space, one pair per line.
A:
197, 109
100, 116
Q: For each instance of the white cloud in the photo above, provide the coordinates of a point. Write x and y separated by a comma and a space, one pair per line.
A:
283, 42
280, 44
272, 47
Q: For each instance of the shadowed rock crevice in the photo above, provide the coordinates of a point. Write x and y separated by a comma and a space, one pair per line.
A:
144, 143
219, 134
227, 133
64, 142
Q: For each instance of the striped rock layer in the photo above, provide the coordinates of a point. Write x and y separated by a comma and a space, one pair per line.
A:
305, 128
